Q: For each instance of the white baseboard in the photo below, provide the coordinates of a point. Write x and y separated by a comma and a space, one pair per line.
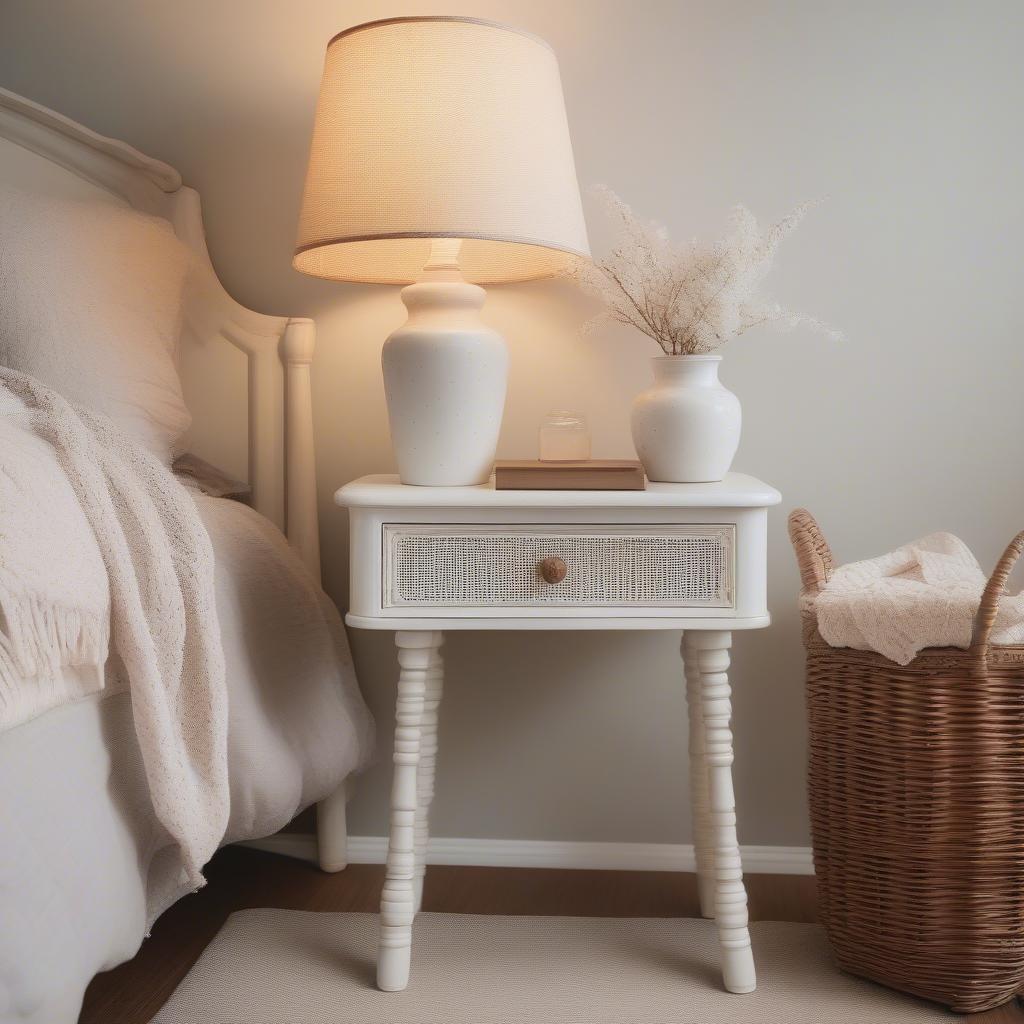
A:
535, 853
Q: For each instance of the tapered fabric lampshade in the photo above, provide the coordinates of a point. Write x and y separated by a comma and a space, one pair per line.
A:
439, 127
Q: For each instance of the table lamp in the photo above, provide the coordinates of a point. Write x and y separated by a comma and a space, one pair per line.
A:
441, 156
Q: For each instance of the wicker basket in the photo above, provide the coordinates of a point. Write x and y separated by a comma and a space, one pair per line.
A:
916, 779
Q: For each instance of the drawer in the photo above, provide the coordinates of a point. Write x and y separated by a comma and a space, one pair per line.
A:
475, 566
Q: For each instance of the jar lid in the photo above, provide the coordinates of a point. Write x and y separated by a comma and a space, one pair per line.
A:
564, 418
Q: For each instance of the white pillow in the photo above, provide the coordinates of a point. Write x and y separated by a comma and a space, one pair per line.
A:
91, 305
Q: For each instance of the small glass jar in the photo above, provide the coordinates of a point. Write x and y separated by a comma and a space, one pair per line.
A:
564, 437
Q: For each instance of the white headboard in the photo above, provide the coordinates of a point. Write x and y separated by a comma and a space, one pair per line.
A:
245, 375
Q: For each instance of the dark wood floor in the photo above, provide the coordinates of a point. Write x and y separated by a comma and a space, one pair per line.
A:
240, 878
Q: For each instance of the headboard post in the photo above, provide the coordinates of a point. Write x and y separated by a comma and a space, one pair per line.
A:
301, 523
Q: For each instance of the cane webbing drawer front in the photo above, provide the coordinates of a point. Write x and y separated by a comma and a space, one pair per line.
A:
474, 566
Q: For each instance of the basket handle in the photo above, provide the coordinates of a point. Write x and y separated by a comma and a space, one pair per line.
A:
813, 554
989, 606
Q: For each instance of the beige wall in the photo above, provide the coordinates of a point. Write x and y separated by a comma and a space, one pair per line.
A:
905, 114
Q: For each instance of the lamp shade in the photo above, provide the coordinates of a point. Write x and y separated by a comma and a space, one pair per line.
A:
439, 127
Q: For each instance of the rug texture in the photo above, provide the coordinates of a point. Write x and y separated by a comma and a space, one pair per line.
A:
294, 967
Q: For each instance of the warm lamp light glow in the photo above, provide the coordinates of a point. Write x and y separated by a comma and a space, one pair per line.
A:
439, 128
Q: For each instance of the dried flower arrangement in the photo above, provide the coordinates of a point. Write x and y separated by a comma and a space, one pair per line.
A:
693, 298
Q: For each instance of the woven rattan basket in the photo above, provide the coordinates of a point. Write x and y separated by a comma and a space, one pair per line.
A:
916, 779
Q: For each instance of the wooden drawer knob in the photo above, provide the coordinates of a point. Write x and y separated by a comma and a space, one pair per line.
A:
553, 569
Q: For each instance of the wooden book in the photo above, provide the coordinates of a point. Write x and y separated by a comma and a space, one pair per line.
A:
592, 475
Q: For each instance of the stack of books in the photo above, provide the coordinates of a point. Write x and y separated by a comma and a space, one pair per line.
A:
592, 475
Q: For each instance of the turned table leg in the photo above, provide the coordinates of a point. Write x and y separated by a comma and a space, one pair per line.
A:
427, 768
712, 651
417, 652
703, 840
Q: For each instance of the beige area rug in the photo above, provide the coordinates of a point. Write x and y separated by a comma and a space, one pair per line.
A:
295, 967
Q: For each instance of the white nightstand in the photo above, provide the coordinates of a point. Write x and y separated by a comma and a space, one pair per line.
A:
687, 557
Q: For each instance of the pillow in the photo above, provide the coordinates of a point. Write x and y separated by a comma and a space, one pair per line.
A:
91, 305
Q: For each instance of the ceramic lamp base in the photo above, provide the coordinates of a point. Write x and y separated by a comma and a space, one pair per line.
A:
445, 375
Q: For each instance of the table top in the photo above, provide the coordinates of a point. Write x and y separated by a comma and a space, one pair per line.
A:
737, 490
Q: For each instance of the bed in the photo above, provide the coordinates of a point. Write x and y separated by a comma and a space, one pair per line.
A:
77, 828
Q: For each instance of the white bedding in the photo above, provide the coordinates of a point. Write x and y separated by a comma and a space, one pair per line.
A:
77, 832
92, 304
156, 565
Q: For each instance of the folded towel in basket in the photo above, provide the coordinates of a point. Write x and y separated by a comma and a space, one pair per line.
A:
924, 594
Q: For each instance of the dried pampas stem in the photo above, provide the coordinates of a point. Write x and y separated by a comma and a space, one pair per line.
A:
693, 298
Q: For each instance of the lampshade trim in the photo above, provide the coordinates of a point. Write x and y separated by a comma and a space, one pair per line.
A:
479, 236
476, 236
486, 22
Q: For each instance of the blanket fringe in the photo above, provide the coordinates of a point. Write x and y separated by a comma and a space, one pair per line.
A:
38, 641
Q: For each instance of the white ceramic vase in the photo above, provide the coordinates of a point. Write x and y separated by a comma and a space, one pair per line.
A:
686, 427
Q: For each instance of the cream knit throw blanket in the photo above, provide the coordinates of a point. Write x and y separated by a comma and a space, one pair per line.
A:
925, 594
96, 535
